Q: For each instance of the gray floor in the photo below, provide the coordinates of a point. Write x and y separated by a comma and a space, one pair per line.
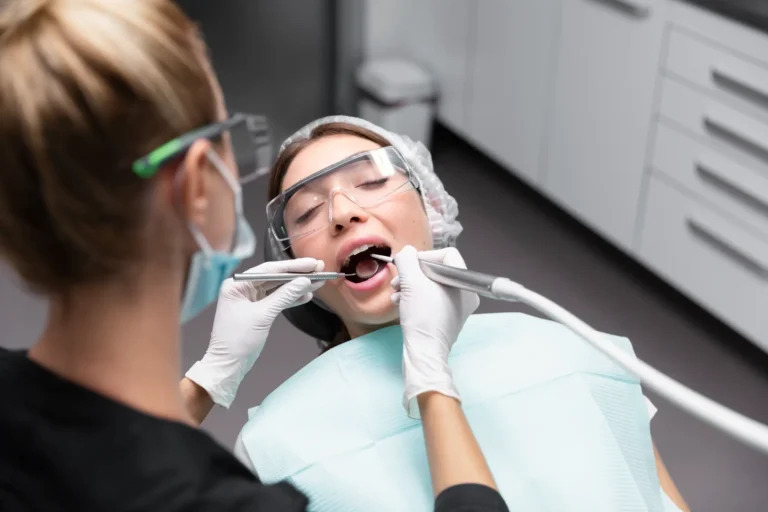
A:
510, 231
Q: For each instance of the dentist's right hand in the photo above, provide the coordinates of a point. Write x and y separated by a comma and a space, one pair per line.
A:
431, 316
244, 315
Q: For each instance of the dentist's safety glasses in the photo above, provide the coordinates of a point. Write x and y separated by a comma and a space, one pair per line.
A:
247, 135
367, 179
244, 138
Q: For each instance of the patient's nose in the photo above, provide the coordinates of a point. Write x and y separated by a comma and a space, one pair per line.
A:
344, 212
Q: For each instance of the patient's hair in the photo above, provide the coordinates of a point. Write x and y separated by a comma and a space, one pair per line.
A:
284, 160
86, 88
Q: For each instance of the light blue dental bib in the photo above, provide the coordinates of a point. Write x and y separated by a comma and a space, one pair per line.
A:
562, 427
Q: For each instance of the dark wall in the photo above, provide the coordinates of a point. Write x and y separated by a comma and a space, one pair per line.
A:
272, 57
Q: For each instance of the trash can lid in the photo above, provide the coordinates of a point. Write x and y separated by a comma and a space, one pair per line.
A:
395, 80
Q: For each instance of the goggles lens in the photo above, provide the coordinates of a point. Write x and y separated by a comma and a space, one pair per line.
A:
251, 147
367, 179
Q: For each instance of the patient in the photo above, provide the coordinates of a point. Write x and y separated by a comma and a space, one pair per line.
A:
392, 214
340, 192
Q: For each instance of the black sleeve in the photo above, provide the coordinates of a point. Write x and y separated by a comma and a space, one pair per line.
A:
281, 497
470, 498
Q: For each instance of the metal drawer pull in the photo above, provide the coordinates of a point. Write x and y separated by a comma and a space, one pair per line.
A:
641, 8
735, 176
739, 126
745, 75
748, 248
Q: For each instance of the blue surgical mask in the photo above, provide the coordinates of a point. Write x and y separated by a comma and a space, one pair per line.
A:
209, 268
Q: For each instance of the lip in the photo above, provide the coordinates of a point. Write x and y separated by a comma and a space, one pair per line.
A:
348, 246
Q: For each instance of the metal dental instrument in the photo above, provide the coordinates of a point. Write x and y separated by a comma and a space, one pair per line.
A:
736, 425
290, 276
481, 284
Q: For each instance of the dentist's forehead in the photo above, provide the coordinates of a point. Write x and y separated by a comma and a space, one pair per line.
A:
322, 153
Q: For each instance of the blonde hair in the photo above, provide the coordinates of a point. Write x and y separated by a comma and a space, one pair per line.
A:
86, 88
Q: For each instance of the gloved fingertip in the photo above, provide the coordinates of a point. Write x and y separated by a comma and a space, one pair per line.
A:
406, 255
227, 284
301, 265
453, 258
320, 266
396, 298
395, 282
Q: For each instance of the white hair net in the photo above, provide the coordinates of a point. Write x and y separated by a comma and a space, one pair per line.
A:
441, 207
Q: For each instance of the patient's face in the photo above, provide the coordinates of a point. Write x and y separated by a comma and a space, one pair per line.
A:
395, 223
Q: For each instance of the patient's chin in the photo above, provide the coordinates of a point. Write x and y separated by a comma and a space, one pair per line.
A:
377, 311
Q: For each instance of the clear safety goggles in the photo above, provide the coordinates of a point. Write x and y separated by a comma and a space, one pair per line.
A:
366, 179
246, 135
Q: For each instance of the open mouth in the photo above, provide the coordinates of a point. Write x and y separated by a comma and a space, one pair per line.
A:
360, 264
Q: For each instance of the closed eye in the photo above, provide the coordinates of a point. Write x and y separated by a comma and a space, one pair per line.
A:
307, 215
373, 183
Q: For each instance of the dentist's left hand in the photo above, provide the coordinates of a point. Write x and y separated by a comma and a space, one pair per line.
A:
244, 315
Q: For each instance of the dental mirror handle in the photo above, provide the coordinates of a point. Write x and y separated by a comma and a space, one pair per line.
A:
288, 276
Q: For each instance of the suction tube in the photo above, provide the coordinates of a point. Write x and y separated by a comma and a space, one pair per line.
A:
736, 425
707, 410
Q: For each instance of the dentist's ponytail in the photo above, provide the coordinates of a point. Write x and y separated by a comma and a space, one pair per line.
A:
87, 87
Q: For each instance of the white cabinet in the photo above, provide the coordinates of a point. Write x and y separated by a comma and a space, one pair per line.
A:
705, 221
717, 261
436, 35
510, 81
608, 59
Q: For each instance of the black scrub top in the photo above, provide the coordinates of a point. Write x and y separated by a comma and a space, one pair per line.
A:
63, 447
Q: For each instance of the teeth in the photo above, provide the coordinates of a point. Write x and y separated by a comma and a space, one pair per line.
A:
355, 251
360, 249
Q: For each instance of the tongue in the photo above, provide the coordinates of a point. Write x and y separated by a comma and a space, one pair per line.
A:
366, 268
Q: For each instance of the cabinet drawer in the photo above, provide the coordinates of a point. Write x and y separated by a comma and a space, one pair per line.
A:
721, 73
742, 136
715, 261
729, 186
720, 30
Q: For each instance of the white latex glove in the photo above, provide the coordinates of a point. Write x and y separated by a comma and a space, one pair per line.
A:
244, 315
431, 316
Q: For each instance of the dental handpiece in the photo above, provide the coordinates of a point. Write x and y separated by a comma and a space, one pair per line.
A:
469, 280
738, 426
290, 276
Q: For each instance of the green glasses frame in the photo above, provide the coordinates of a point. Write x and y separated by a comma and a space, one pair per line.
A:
148, 165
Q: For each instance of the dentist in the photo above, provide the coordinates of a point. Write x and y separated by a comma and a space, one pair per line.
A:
120, 203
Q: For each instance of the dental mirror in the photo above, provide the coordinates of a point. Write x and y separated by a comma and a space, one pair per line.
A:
367, 268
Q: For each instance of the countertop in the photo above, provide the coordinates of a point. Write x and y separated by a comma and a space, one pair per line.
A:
753, 13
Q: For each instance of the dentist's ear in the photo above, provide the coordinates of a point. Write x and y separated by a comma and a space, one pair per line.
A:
194, 181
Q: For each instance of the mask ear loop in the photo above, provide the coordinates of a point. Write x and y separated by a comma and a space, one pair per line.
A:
221, 167
244, 242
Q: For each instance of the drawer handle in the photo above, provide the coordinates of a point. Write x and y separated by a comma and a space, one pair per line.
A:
734, 176
640, 8
749, 249
753, 132
743, 75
